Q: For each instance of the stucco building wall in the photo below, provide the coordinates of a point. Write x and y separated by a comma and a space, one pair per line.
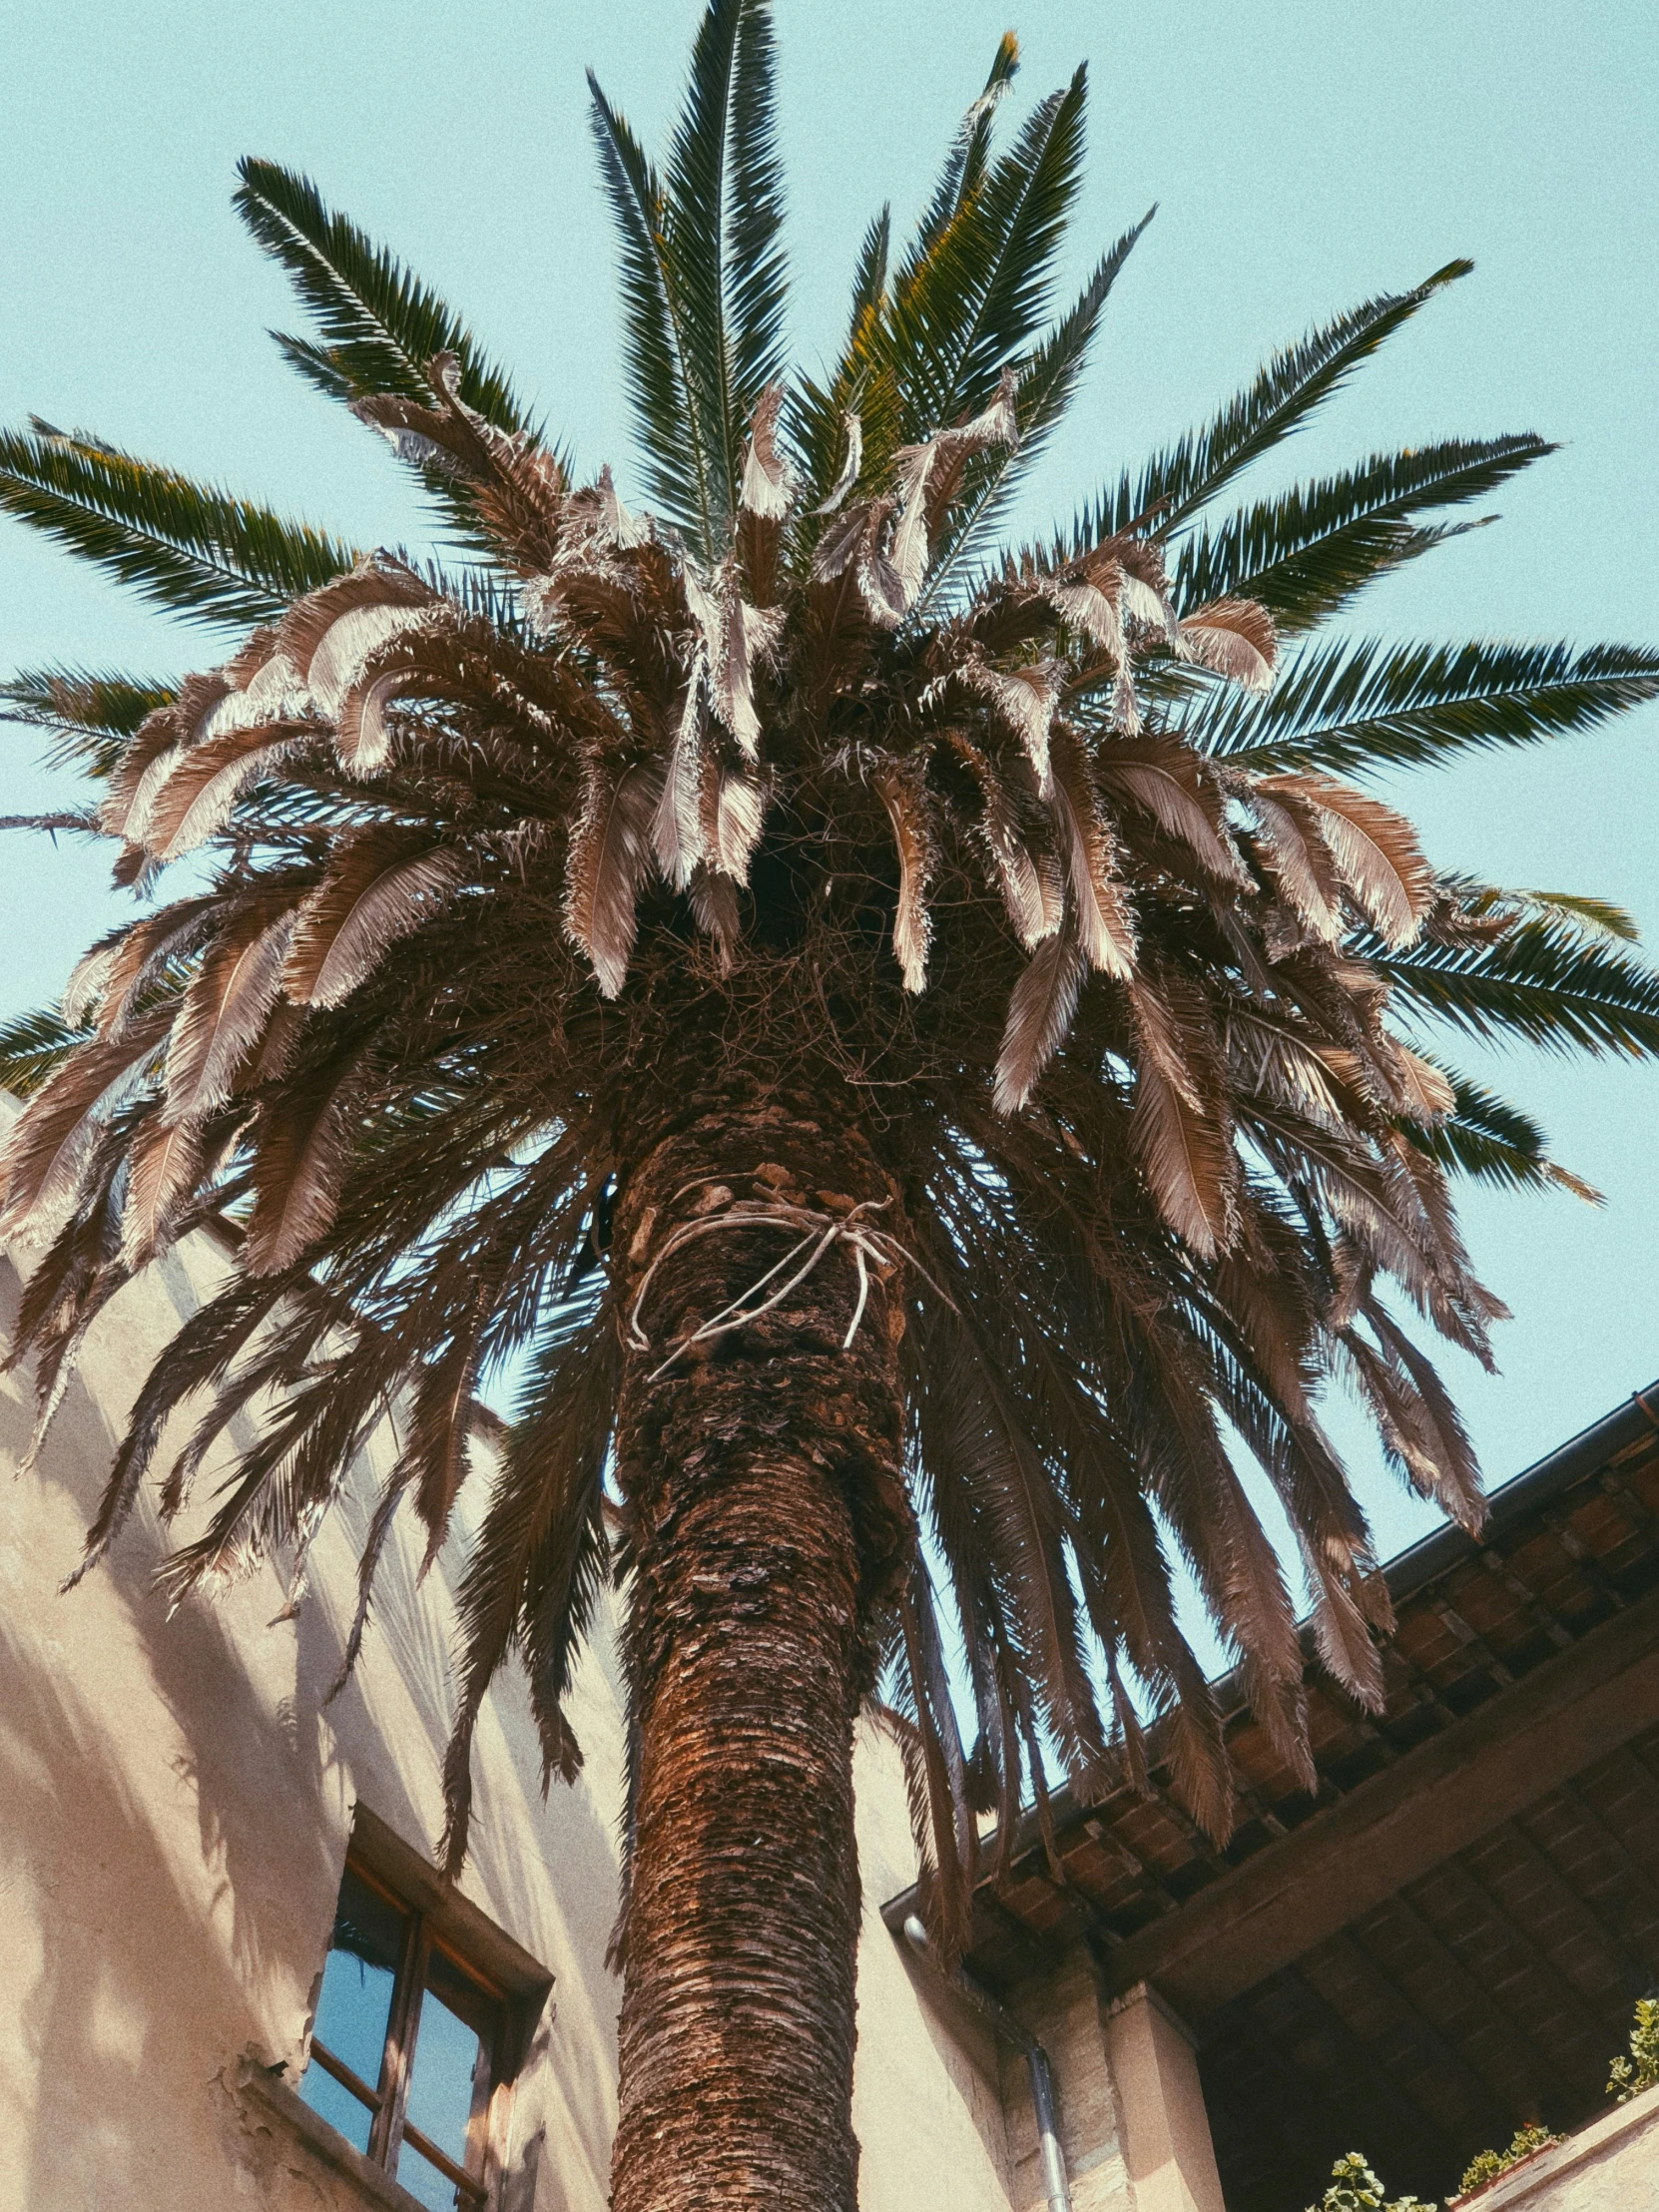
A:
176, 1797
1610, 2166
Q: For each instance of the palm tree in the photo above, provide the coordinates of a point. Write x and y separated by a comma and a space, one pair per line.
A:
894, 1039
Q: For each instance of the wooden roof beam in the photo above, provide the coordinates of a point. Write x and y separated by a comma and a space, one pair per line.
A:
1476, 2089
1528, 2062
1573, 1708
1556, 1629
1565, 1897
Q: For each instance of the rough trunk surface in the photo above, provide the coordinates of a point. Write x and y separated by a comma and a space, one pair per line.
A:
762, 1476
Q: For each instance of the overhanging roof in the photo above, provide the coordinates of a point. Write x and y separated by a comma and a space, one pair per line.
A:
1447, 1938
1568, 1546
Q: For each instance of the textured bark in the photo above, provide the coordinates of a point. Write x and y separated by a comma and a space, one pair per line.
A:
763, 1479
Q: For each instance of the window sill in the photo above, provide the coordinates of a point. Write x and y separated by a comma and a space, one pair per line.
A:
249, 2080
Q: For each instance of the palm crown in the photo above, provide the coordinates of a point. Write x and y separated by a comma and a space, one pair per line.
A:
1043, 864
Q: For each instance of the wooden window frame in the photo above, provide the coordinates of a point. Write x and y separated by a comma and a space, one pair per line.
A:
512, 1990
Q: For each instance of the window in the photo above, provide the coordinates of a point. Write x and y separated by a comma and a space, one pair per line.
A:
419, 2024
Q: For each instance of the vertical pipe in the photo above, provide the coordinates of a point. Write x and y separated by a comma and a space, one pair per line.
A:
1016, 2032
1048, 2133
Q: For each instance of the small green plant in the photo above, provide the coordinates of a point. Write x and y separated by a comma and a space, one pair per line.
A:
1354, 2188
1491, 2163
1628, 2077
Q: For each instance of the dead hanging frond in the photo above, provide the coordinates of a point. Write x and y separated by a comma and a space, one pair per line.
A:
224, 1012
1023, 863
928, 476
1087, 601
678, 825
326, 639
301, 1147
1039, 1017
909, 811
885, 543
1233, 638
1100, 909
853, 461
515, 487
609, 861
737, 640
1376, 852
766, 494
1180, 1131
766, 484
1298, 858
1023, 701
381, 885
195, 797
1168, 781
52, 1142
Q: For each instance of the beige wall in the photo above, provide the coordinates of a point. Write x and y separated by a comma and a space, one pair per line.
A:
174, 1807
174, 1801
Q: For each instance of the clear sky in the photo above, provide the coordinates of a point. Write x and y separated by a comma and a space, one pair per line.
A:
1303, 156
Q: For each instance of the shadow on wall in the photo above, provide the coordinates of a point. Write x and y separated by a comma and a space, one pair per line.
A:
966, 2056
546, 1872
577, 2106
154, 1908
174, 1807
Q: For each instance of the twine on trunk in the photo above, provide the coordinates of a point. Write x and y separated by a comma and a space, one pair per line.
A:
816, 1234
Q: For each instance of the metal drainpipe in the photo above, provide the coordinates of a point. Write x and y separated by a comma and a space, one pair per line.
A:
1016, 2032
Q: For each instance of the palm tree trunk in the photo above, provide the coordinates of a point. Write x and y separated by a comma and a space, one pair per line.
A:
762, 1474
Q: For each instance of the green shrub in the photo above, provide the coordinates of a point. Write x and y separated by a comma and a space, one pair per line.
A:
1354, 2188
1630, 2077
1491, 2163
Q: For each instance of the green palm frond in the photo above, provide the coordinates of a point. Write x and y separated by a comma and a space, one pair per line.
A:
198, 552
1493, 1142
33, 1047
1040, 182
816, 413
1550, 979
654, 344
1186, 476
1361, 705
90, 712
967, 305
379, 325
869, 277
879, 365
724, 200
1306, 553
755, 271
964, 166
1047, 380
1598, 915
1048, 374
703, 272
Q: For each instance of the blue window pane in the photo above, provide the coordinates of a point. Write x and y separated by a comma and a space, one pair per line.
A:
337, 2105
357, 1980
440, 2081
424, 2183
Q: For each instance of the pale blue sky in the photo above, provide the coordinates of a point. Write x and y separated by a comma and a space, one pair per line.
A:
1303, 156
